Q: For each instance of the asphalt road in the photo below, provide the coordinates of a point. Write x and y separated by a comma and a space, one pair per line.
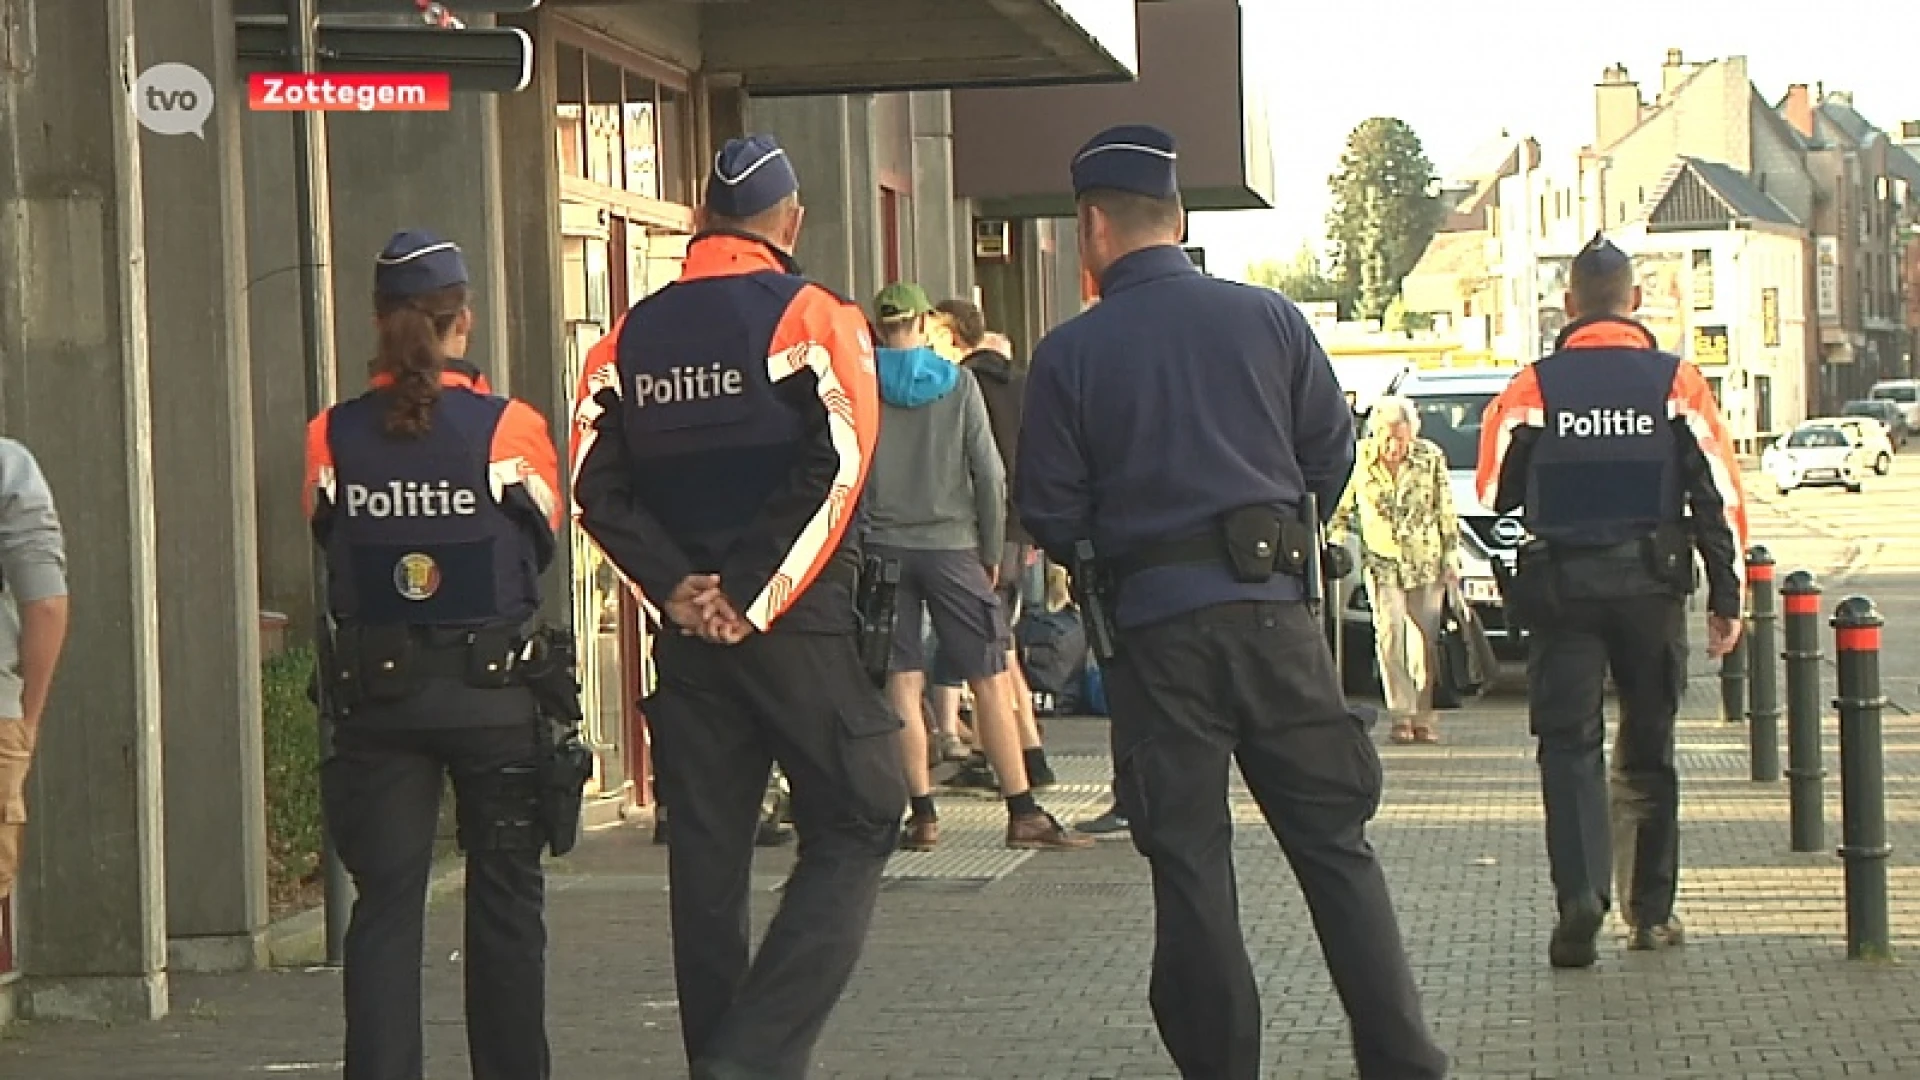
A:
1859, 545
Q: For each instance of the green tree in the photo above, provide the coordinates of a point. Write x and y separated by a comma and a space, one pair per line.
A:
1304, 280
1384, 212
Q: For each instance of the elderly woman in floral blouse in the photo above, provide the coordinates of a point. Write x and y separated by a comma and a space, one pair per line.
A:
1400, 503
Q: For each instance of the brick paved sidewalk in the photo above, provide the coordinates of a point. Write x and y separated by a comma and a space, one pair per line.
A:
1031, 967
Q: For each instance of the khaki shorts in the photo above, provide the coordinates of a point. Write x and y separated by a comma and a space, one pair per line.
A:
16, 755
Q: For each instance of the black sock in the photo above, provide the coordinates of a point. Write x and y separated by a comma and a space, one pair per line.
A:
1022, 805
1036, 760
923, 808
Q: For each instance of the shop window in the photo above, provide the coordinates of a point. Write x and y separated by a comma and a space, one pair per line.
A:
570, 127
603, 122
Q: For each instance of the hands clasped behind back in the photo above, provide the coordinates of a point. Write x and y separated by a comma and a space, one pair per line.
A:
700, 609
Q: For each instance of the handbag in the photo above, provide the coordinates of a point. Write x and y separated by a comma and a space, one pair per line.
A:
1467, 666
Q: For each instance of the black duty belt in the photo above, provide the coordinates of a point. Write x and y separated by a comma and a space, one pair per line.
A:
1290, 553
1200, 549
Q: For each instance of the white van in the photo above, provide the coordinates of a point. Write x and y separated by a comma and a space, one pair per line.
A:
1902, 392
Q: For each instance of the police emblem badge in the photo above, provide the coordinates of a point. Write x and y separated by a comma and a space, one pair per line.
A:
416, 576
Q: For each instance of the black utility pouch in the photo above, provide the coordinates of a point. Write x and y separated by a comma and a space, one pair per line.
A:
384, 658
1253, 539
1532, 591
1669, 555
492, 659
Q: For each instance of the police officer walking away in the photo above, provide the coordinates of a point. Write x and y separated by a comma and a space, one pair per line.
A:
723, 437
434, 507
1623, 464
1179, 425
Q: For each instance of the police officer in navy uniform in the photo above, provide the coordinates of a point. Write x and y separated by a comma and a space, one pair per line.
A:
434, 506
1624, 467
723, 434
1178, 425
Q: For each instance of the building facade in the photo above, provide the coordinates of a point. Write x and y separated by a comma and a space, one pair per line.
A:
1861, 237
156, 277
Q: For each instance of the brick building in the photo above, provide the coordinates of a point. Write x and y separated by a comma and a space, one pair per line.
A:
1860, 227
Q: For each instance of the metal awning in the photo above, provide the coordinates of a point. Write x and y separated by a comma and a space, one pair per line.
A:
788, 47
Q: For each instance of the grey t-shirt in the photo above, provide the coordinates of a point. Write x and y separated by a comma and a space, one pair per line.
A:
33, 558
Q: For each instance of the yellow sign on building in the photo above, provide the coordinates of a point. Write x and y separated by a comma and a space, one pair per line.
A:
1770, 318
1709, 345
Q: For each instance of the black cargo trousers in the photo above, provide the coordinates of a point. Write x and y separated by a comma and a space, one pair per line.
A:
720, 717
381, 792
1254, 682
1620, 827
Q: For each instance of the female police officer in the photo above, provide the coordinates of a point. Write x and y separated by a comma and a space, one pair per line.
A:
434, 506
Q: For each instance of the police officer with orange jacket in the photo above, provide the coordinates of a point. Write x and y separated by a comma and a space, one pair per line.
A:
1619, 456
722, 438
434, 506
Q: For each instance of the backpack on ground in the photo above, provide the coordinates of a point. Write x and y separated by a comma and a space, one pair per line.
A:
1053, 653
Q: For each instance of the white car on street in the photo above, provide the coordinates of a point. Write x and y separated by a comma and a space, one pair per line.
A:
1817, 454
1875, 445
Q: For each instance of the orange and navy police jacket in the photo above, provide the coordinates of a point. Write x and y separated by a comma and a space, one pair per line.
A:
449, 529
1602, 358
726, 426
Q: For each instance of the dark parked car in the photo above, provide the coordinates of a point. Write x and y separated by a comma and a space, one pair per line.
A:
1887, 412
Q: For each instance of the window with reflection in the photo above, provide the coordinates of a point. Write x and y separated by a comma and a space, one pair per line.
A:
603, 122
570, 125
624, 129
677, 167
642, 111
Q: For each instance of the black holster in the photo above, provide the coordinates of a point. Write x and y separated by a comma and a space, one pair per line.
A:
566, 762
1531, 590
874, 604
1093, 594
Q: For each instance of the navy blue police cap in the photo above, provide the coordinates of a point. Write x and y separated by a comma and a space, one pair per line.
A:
416, 262
1601, 258
750, 174
1137, 158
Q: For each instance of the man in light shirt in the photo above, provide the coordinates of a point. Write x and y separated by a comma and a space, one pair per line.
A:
33, 627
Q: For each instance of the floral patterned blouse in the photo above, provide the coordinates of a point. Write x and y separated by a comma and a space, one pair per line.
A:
1405, 519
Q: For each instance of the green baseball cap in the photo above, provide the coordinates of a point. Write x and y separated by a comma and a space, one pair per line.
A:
901, 300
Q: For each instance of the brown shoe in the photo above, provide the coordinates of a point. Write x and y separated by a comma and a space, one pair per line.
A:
921, 834
1039, 831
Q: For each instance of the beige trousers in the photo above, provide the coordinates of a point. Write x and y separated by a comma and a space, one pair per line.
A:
1406, 627
16, 755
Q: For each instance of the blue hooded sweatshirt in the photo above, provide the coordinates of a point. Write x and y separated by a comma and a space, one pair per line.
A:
937, 482
911, 378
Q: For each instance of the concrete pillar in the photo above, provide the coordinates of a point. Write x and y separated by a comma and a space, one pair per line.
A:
389, 171
831, 142
939, 264
531, 297
203, 479
73, 330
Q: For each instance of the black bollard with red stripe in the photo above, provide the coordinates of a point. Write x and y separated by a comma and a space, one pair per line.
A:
1806, 775
1863, 822
1763, 685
